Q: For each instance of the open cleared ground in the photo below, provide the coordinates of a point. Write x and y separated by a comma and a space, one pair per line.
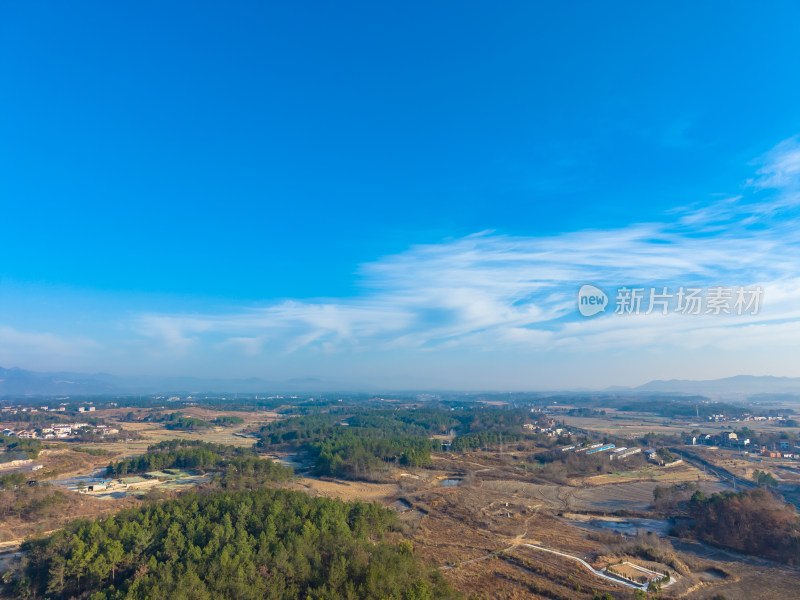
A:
152, 433
350, 490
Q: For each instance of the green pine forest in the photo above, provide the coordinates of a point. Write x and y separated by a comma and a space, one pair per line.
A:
245, 544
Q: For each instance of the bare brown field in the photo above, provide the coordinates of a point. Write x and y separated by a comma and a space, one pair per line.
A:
625, 424
569, 578
15, 526
150, 433
252, 417
63, 461
350, 490
678, 473
517, 575
476, 534
630, 497
736, 577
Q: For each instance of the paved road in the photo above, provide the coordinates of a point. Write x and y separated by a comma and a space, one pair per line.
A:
724, 475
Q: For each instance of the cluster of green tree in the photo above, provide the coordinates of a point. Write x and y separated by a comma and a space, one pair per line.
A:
87, 435
154, 402
361, 445
11, 481
301, 430
297, 432
585, 412
433, 420
396, 422
191, 454
512, 400
255, 544
754, 522
14, 446
178, 420
673, 408
766, 438
37, 419
418, 422
484, 439
558, 466
250, 472
471, 420
764, 478
361, 442
356, 453
652, 439
665, 455
91, 451
227, 421
477, 419
129, 417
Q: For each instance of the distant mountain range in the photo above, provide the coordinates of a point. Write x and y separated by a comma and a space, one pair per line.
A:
20, 382
740, 385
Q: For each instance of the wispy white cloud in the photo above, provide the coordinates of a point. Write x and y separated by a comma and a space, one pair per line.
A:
780, 167
15, 344
488, 290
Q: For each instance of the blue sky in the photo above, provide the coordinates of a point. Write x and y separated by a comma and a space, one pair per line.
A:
395, 194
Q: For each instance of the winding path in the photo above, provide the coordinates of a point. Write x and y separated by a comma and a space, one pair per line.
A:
588, 566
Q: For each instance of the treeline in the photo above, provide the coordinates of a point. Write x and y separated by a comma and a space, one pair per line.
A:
39, 419
256, 544
754, 522
193, 454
